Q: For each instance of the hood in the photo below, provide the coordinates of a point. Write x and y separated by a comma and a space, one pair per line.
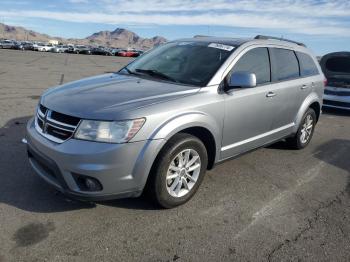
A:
105, 97
336, 68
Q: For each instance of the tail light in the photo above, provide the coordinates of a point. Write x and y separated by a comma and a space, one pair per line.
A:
325, 82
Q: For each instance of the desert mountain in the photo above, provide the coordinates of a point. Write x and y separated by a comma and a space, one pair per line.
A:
118, 38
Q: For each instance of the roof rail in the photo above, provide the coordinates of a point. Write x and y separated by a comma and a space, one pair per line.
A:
202, 36
278, 38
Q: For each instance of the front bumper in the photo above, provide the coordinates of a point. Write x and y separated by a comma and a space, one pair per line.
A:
337, 98
122, 169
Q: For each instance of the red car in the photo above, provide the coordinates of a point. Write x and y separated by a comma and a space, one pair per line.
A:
128, 53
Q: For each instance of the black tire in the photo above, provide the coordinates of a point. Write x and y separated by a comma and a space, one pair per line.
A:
156, 187
296, 141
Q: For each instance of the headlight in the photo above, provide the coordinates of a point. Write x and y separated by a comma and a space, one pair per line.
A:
109, 131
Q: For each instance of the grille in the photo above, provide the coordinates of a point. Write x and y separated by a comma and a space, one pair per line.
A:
55, 126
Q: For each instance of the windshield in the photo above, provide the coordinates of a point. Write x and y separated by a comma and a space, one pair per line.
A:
193, 63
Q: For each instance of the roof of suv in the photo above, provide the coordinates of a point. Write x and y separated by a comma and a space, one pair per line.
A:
239, 41
219, 40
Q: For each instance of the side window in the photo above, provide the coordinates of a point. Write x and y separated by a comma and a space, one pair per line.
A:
307, 65
285, 65
255, 61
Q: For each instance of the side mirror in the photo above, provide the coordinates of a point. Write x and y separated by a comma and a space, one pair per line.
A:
242, 79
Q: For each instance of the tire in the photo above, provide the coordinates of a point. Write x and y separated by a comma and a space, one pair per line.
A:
304, 135
160, 184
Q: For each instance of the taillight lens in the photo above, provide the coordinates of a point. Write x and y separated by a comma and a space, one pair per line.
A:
325, 82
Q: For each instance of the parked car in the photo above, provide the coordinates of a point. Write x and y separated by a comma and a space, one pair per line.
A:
336, 67
60, 49
23, 46
7, 44
160, 122
36, 45
82, 49
18, 46
128, 53
101, 51
44, 47
114, 51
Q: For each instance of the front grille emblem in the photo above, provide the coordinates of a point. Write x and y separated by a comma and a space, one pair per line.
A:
45, 124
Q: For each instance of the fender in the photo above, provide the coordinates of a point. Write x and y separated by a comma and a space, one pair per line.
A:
166, 130
186, 120
311, 98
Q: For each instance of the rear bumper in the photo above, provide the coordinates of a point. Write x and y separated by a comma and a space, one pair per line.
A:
337, 98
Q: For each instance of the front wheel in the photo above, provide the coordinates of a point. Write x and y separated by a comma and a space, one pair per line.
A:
306, 130
178, 171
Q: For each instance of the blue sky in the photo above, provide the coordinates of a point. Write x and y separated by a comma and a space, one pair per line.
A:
323, 25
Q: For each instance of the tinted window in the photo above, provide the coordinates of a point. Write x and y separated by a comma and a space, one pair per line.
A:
285, 64
255, 61
307, 65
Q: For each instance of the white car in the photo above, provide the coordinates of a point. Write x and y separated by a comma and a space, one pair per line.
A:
44, 48
59, 49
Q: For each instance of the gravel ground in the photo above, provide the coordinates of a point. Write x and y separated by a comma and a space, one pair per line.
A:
273, 204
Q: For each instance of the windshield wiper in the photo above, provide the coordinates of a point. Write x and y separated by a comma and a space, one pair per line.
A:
156, 73
129, 71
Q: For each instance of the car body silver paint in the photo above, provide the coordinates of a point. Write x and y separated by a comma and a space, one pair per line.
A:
239, 120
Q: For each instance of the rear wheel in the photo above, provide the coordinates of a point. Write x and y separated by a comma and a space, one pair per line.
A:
178, 171
305, 132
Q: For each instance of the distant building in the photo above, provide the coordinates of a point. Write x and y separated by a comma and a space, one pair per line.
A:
53, 42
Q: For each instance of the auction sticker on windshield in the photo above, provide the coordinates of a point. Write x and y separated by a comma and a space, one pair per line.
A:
221, 46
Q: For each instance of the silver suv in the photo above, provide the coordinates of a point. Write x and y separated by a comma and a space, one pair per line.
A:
159, 123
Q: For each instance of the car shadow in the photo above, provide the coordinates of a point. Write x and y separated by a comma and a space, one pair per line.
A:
20, 187
336, 152
335, 112
280, 145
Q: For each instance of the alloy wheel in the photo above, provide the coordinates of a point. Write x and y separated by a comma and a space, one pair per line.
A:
183, 173
307, 128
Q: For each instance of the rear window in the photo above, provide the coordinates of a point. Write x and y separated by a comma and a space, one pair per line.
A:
285, 64
307, 65
338, 64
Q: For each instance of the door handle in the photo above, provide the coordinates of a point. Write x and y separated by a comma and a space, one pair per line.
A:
304, 86
270, 94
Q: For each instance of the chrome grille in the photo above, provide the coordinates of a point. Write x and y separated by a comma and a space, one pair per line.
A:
55, 126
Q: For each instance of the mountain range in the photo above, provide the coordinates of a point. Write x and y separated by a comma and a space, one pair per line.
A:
120, 37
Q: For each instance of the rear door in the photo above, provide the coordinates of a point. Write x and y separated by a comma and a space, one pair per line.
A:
286, 88
308, 71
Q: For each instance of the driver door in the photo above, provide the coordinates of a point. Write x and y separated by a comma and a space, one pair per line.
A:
249, 111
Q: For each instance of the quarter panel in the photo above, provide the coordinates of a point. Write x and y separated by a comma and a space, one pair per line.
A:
311, 98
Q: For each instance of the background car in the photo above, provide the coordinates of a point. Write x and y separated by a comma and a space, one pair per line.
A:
128, 53
115, 51
101, 51
7, 44
44, 47
82, 49
336, 67
59, 49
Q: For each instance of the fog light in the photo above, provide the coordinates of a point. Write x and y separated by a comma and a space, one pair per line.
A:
91, 185
86, 183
